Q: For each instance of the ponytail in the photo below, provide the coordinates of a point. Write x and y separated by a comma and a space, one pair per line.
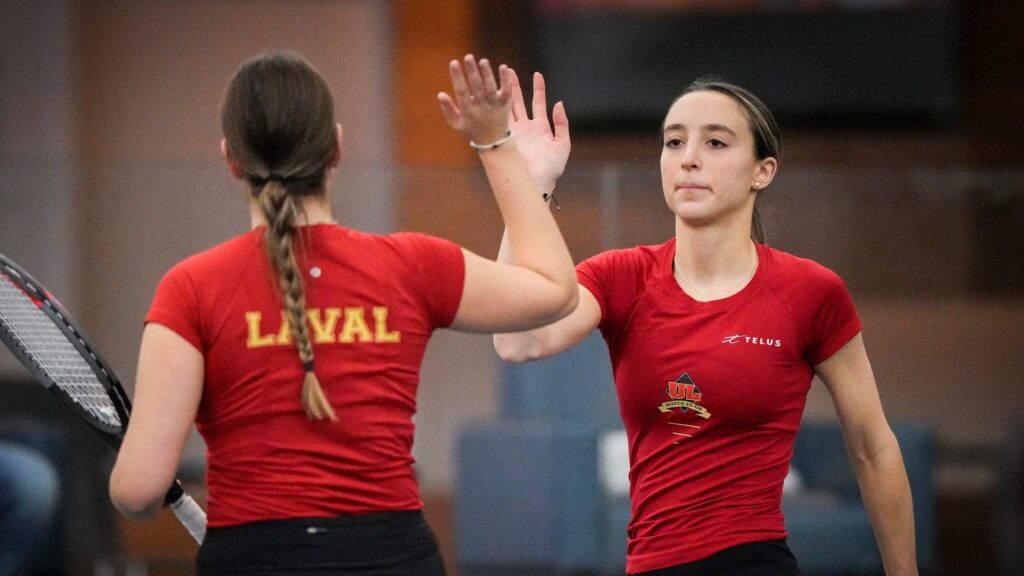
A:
279, 209
757, 226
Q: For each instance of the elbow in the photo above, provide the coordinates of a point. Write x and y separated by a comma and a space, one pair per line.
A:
562, 305
869, 450
134, 500
522, 347
572, 301
516, 348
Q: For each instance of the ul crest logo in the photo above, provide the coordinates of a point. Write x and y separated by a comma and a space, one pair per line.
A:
685, 396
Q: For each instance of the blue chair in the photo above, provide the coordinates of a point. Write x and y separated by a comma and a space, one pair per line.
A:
829, 530
50, 557
528, 496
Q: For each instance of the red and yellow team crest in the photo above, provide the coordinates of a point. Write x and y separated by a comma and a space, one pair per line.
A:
685, 395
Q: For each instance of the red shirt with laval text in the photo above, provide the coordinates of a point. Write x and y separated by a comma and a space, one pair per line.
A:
372, 303
711, 393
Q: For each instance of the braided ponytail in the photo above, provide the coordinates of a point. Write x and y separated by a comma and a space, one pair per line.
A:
278, 122
278, 207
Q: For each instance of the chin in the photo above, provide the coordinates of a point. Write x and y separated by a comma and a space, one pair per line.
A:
689, 210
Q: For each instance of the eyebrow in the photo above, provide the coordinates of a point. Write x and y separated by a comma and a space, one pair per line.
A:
705, 128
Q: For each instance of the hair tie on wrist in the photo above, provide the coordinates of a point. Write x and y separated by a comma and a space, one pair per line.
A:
482, 147
552, 198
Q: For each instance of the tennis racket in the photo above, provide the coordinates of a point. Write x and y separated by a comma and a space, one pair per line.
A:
42, 336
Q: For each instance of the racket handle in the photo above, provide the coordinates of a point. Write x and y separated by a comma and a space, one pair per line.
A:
191, 515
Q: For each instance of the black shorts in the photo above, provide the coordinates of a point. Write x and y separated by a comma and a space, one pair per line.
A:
769, 558
379, 544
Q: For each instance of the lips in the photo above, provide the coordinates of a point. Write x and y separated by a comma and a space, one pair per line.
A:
690, 186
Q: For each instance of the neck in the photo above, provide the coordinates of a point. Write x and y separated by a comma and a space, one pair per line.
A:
712, 263
312, 210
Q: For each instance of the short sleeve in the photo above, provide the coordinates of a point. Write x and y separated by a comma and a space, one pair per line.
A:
592, 274
616, 278
175, 306
835, 321
437, 273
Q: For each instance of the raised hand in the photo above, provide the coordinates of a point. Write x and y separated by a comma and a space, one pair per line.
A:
480, 107
546, 149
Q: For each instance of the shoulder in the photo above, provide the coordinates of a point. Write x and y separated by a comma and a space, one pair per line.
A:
797, 273
417, 240
636, 259
220, 259
617, 278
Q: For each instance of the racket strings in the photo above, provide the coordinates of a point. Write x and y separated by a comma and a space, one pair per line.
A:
47, 346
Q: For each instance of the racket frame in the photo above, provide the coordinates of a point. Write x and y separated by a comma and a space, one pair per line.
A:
52, 308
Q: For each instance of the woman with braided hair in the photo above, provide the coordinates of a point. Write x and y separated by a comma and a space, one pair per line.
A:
296, 347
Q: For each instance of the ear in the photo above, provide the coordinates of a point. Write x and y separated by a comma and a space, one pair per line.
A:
764, 173
230, 159
337, 154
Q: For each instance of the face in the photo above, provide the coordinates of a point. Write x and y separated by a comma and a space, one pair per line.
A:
709, 172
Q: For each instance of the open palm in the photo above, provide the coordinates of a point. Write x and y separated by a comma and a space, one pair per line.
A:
544, 144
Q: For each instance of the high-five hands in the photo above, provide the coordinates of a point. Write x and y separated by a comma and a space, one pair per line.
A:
546, 150
480, 107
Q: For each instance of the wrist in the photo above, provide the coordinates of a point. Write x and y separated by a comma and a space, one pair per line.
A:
549, 197
492, 144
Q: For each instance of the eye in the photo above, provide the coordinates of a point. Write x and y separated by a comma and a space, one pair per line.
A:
716, 143
673, 142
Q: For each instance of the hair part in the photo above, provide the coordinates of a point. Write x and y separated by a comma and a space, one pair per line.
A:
278, 121
764, 128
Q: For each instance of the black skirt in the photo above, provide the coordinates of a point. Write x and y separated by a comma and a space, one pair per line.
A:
379, 544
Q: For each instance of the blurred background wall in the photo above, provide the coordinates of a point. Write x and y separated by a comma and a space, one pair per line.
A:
110, 171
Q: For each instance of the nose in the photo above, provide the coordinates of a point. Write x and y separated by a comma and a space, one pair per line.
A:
689, 157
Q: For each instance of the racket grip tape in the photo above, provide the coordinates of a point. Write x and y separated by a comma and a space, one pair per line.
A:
189, 513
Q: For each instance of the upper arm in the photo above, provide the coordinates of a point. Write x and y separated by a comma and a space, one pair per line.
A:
168, 388
499, 297
848, 377
555, 337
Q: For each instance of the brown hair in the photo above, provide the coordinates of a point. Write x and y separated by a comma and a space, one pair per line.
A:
767, 136
278, 121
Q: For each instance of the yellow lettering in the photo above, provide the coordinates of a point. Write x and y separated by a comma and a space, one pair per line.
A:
256, 340
324, 328
355, 325
380, 317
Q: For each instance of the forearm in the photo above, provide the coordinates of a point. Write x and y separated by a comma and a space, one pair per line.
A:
886, 492
532, 239
523, 346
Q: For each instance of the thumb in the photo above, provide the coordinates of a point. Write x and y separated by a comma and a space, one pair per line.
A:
560, 121
448, 109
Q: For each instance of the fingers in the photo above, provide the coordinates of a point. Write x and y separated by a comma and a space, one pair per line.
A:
478, 103
490, 83
474, 77
540, 97
517, 104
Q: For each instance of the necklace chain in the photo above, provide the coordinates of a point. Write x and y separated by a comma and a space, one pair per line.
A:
697, 289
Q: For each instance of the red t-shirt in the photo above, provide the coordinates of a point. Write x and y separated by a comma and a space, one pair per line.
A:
711, 393
373, 302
